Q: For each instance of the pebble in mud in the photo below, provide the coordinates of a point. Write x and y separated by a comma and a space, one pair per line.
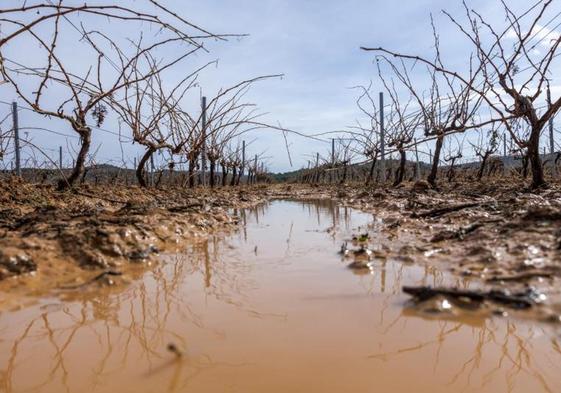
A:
90, 259
554, 318
362, 258
142, 255
420, 186
344, 251
362, 253
482, 254
360, 265
499, 312
14, 261
438, 305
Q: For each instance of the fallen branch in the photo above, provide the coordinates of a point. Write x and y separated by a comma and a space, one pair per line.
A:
185, 208
448, 209
518, 300
458, 234
111, 200
522, 276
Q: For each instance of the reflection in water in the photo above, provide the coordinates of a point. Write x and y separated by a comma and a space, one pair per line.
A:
272, 308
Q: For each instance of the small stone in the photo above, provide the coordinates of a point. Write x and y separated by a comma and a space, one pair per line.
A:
341, 194
420, 186
554, 318
13, 262
500, 313
359, 265
142, 255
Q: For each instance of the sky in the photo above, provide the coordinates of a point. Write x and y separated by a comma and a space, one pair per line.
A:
314, 44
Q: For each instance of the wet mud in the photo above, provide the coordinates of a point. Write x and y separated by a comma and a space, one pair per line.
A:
52, 243
503, 238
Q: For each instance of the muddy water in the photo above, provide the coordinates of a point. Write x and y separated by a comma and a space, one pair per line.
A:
272, 308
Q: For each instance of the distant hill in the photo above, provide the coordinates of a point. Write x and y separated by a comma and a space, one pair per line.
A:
508, 161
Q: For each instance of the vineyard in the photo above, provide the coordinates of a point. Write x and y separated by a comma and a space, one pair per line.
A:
166, 226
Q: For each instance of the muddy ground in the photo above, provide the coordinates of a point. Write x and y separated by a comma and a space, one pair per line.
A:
499, 242
55, 243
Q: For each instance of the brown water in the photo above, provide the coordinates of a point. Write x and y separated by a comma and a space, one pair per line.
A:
272, 308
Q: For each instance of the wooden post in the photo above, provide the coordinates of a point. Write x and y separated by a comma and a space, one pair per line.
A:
332, 175
255, 170
152, 170
243, 160
203, 148
382, 139
317, 168
551, 137
550, 123
417, 165
16, 137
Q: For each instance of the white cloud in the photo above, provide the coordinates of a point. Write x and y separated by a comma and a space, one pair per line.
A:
541, 36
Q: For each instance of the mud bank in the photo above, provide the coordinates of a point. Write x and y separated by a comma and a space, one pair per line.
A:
497, 237
91, 237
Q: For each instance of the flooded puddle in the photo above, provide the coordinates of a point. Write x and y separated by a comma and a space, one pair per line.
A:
272, 308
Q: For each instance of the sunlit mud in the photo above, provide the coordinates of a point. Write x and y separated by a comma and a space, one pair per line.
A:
276, 308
